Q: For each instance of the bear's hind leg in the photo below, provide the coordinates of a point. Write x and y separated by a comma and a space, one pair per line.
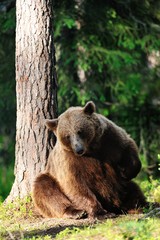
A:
51, 201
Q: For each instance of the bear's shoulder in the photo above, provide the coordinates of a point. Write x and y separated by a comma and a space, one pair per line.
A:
111, 128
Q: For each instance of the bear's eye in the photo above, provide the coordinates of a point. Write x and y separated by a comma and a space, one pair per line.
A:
67, 137
80, 133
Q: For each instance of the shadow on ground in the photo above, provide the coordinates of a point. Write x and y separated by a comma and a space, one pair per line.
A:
50, 227
52, 232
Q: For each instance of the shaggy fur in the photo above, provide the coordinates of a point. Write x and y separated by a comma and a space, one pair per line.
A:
89, 171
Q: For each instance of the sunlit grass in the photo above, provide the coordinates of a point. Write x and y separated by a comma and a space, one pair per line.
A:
19, 221
126, 227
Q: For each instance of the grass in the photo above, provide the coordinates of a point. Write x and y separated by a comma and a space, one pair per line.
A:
125, 227
19, 221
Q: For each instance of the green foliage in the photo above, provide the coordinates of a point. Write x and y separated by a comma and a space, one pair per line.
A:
109, 45
7, 20
105, 53
6, 180
151, 189
7, 100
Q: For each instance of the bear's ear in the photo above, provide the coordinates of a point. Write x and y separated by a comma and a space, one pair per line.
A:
51, 124
89, 108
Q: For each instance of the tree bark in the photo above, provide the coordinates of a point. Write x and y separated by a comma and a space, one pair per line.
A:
35, 89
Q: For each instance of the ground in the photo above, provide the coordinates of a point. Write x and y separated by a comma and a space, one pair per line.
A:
18, 221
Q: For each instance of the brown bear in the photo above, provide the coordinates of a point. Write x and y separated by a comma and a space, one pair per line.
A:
89, 171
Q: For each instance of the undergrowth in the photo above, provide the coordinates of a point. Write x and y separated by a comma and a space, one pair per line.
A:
18, 220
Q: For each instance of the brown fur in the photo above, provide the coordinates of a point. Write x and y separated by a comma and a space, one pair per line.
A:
90, 168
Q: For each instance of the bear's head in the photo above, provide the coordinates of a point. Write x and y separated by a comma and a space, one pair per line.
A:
76, 128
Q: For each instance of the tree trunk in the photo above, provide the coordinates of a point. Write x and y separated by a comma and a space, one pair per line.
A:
36, 91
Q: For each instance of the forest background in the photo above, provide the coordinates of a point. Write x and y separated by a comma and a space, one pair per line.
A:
106, 51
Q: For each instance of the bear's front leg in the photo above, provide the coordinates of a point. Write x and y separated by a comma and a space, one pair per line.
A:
130, 164
96, 211
83, 198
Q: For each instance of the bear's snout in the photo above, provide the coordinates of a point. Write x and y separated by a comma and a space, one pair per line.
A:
79, 150
77, 145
